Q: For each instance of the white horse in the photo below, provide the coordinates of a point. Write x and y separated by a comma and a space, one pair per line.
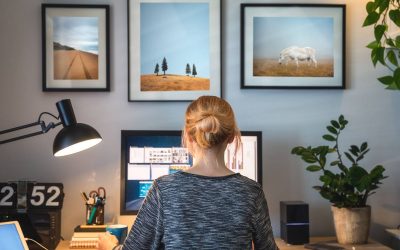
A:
297, 54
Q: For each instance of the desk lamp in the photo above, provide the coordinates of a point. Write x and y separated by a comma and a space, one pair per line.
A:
74, 137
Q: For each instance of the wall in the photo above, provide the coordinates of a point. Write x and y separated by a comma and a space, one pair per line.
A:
286, 117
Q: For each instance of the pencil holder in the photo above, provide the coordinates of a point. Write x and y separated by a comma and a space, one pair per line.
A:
94, 214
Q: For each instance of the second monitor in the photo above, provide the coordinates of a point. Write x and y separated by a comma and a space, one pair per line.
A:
147, 155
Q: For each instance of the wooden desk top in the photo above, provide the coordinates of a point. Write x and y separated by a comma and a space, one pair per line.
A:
331, 241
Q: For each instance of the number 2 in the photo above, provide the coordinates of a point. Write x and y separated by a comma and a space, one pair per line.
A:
10, 190
50, 202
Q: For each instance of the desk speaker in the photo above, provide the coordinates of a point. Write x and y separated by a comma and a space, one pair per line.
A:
295, 225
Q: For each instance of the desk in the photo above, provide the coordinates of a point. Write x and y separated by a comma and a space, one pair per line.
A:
372, 245
395, 237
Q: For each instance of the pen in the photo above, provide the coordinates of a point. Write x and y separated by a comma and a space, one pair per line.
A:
84, 196
92, 213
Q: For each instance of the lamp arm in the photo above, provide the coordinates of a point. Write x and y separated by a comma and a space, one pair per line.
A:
44, 129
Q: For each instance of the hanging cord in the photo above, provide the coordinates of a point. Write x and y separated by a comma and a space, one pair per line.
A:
47, 113
29, 239
46, 128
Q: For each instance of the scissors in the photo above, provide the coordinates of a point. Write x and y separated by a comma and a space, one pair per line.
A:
100, 193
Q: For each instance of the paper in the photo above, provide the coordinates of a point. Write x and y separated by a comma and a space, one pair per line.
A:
138, 172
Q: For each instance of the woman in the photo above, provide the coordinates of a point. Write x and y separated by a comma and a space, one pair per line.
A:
207, 206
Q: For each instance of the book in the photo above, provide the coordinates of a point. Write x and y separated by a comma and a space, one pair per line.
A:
87, 234
93, 226
90, 228
84, 243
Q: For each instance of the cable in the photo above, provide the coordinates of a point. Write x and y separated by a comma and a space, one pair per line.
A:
27, 239
47, 113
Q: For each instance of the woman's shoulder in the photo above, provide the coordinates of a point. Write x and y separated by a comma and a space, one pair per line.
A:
251, 184
169, 178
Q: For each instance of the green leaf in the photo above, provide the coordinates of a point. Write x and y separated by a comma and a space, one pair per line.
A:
343, 168
397, 41
383, 5
371, 7
396, 76
322, 160
364, 183
342, 120
355, 175
334, 163
390, 42
355, 149
387, 80
380, 54
297, 150
377, 171
392, 58
324, 150
313, 168
372, 18
350, 157
329, 138
393, 86
309, 159
364, 146
325, 179
335, 124
374, 57
394, 16
379, 30
331, 129
373, 45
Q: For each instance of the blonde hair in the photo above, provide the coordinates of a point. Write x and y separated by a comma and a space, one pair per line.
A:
210, 121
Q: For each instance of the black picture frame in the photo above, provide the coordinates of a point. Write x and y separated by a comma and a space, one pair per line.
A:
75, 47
150, 138
183, 47
273, 36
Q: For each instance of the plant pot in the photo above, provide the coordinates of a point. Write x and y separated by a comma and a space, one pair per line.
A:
352, 224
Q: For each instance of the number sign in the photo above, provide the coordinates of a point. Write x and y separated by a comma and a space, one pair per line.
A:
8, 195
39, 195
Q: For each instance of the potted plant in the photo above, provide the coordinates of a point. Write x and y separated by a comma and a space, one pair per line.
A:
346, 185
384, 14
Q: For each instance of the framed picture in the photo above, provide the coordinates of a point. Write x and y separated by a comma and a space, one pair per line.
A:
174, 49
293, 46
75, 47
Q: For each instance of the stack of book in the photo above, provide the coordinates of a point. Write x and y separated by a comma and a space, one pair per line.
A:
87, 236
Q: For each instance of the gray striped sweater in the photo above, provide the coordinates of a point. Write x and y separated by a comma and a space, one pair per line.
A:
188, 211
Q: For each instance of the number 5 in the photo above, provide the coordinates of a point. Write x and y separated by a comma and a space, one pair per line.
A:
38, 192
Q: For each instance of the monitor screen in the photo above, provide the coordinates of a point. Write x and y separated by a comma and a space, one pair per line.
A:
11, 237
147, 155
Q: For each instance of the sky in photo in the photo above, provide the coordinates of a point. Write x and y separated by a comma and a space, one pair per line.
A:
78, 32
273, 34
177, 31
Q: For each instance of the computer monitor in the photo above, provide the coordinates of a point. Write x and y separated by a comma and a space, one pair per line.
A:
11, 236
149, 154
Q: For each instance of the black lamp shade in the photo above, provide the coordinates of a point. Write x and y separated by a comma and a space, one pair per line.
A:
75, 138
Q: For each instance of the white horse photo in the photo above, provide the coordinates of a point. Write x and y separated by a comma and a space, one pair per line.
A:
297, 54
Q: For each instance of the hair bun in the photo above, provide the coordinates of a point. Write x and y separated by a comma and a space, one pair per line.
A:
209, 122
